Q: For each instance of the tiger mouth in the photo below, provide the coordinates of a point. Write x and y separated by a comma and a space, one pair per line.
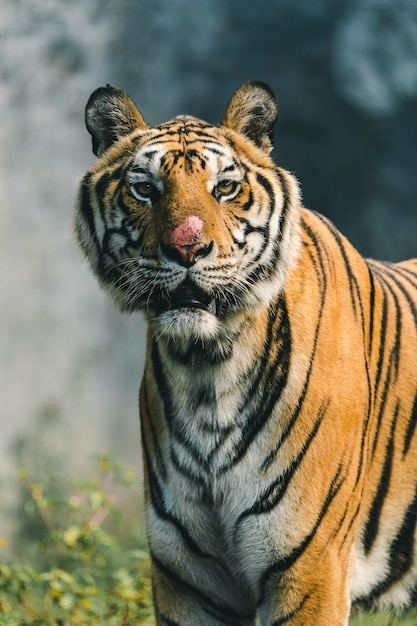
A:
190, 297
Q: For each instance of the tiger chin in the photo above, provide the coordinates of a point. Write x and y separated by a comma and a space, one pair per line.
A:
279, 398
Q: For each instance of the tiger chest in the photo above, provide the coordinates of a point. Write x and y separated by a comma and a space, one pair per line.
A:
210, 481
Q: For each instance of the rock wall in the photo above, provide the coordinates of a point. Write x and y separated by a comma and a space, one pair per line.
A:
346, 79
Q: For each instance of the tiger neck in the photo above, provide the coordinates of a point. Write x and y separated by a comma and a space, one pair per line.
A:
212, 387
194, 353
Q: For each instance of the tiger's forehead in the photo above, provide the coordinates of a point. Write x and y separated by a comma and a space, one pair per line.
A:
187, 143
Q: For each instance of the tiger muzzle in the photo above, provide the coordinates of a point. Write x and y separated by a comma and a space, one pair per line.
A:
187, 254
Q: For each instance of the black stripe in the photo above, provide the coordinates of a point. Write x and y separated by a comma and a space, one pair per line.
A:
87, 211
382, 406
276, 490
394, 356
155, 489
372, 524
352, 280
383, 331
264, 270
165, 394
401, 556
248, 204
198, 480
264, 182
177, 435
100, 190
284, 215
289, 616
157, 500
348, 535
406, 273
224, 614
402, 548
393, 275
260, 270
285, 563
293, 419
371, 310
411, 427
391, 272
145, 410
276, 379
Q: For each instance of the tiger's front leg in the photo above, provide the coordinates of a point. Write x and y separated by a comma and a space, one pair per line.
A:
323, 603
314, 592
177, 603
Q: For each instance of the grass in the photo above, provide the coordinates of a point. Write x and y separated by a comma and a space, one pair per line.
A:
77, 562
384, 619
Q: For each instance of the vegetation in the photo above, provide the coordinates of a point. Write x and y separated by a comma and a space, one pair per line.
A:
76, 571
384, 619
78, 562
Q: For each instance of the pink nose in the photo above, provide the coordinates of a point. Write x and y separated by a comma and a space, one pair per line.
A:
183, 244
186, 233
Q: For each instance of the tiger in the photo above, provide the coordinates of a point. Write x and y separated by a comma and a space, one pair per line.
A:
278, 401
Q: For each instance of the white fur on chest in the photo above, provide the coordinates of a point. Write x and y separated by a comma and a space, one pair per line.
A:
209, 533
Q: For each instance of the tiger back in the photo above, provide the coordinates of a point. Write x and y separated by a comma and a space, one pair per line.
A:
279, 398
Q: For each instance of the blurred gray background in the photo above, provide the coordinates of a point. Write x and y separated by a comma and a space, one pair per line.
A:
345, 73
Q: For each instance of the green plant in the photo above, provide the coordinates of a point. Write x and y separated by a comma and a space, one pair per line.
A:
384, 619
81, 568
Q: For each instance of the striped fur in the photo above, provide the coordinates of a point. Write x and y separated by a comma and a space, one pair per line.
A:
279, 398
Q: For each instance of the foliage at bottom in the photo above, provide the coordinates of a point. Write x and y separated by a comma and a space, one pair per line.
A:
76, 571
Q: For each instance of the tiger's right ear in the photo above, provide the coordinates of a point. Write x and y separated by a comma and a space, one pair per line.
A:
109, 115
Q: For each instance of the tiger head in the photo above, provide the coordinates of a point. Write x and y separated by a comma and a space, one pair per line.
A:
190, 223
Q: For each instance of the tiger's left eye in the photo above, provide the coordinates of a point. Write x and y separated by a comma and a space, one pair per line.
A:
226, 188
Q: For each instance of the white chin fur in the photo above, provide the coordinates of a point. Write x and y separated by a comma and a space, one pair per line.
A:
187, 324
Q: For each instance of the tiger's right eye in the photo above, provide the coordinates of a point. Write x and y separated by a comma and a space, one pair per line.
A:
143, 189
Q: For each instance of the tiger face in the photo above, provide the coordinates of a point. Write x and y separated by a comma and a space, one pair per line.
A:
190, 223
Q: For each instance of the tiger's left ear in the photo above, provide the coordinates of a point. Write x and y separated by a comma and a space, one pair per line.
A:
110, 114
253, 111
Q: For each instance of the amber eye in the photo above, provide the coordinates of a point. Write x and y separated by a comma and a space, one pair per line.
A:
144, 189
226, 188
